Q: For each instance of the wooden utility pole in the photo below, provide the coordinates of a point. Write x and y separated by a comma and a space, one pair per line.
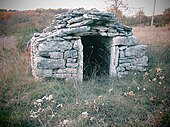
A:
153, 12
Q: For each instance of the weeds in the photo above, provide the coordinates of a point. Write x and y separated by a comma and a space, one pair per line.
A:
23, 37
139, 99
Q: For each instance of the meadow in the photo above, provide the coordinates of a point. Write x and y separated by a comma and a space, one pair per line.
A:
136, 100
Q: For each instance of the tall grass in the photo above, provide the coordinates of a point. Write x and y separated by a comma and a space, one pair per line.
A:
23, 36
139, 99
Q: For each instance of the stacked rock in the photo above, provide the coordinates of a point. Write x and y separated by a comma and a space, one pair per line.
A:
80, 22
58, 52
130, 55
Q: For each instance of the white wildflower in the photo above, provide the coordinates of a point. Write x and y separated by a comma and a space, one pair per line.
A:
103, 104
77, 102
154, 79
144, 89
138, 88
91, 118
99, 97
131, 93
39, 104
50, 97
44, 97
59, 105
52, 115
39, 101
35, 116
31, 111
65, 122
31, 116
35, 103
94, 101
85, 114
151, 98
161, 77
110, 90
86, 102
146, 74
158, 70
39, 110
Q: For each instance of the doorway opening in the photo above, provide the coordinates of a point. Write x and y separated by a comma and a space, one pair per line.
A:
96, 56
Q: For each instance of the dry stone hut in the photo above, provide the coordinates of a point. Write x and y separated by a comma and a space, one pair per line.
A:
81, 42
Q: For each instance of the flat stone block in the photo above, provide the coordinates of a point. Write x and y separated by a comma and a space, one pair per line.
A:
44, 63
70, 54
72, 65
136, 51
71, 60
55, 46
67, 71
56, 55
62, 76
44, 72
126, 41
135, 68
120, 69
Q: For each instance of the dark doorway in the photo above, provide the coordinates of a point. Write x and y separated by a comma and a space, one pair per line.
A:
96, 56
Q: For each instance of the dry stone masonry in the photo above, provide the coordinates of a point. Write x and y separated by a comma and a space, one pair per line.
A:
57, 52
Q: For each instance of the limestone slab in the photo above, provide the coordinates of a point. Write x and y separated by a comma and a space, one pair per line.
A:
70, 54
44, 63
56, 55
136, 51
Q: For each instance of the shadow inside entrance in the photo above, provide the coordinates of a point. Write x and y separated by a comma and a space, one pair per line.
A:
96, 56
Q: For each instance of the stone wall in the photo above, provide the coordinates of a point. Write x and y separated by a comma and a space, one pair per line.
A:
129, 55
57, 57
57, 52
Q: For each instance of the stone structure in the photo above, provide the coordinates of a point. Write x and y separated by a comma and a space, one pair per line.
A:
58, 51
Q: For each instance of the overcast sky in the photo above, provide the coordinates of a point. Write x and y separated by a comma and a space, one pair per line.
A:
146, 5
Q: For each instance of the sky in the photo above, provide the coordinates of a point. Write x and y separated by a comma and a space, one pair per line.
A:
134, 5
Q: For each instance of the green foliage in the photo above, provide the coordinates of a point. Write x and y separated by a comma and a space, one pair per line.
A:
23, 37
139, 99
166, 15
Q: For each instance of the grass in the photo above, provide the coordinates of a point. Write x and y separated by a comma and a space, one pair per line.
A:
153, 35
137, 100
23, 36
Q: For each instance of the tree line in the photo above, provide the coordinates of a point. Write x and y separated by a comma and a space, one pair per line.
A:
120, 6
14, 21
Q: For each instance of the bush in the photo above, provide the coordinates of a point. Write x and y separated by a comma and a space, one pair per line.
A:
23, 37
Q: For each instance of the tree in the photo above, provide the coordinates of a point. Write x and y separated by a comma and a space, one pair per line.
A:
140, 17
117, 6
166, 16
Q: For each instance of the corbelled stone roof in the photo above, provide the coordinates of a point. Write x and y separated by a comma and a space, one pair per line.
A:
82, 22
